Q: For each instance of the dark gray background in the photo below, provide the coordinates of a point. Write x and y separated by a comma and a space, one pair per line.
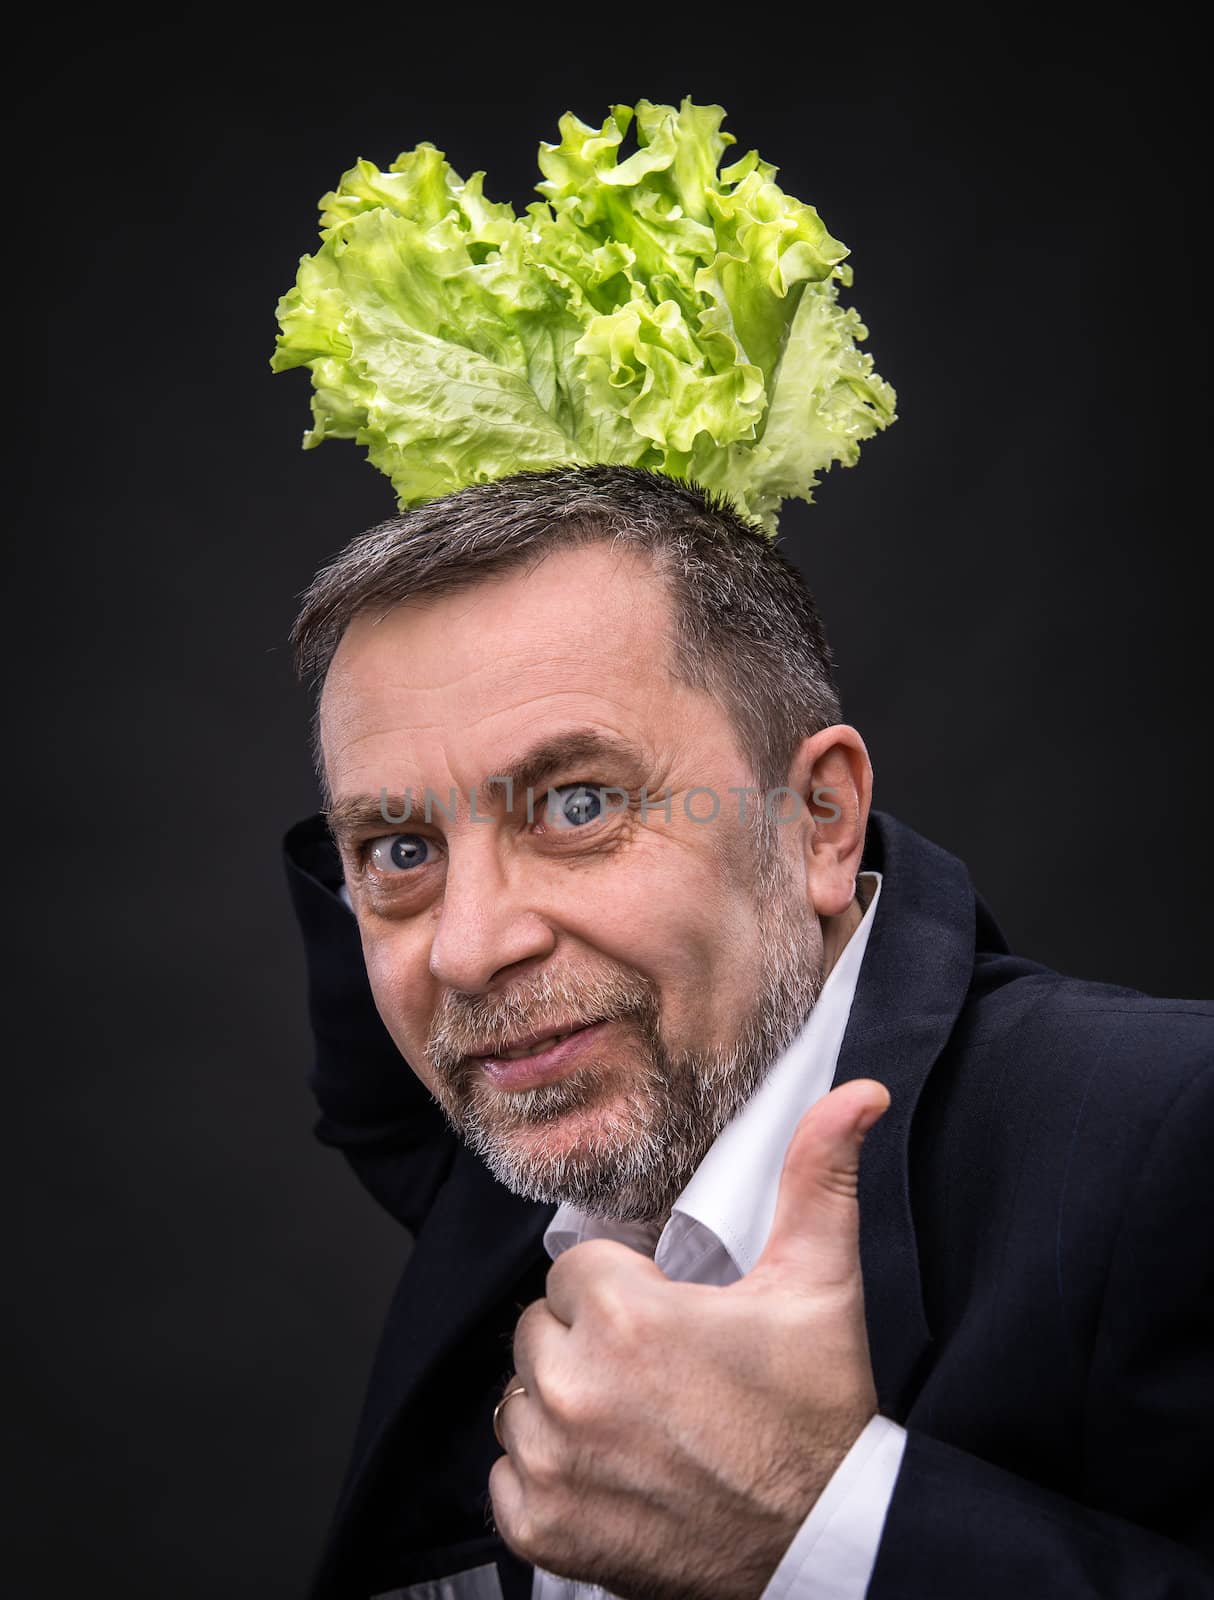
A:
1013, 579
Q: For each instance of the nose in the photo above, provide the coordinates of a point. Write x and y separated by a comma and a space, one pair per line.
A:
485, 924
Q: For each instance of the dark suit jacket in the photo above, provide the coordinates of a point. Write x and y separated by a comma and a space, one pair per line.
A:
1036, 1227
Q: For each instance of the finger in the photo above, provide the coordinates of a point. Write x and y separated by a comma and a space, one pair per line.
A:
594, 1272
815, 1234
538, 1336
507, 1499
506, 1427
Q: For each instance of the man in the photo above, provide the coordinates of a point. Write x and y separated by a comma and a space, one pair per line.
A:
622, 915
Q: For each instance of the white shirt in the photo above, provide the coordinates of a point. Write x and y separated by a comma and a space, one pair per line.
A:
716, 1233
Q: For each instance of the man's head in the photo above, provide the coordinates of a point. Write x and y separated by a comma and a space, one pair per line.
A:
652, 676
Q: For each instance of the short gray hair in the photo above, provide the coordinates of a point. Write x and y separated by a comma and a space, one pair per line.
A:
747, 630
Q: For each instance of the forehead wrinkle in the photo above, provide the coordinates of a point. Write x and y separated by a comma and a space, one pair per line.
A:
624, 710
606, 676
594, 700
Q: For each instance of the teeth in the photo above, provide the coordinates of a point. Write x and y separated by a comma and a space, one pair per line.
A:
533, 1049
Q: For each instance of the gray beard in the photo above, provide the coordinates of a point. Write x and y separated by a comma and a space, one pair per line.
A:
642, 1155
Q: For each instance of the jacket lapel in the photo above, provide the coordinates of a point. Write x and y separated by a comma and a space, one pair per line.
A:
916, 974
478, 1243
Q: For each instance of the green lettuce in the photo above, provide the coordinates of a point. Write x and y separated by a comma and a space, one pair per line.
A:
656, 311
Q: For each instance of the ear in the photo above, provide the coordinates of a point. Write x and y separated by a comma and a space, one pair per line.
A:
833, 780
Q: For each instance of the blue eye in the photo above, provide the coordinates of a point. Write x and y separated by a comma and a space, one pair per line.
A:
398, 851
572, 805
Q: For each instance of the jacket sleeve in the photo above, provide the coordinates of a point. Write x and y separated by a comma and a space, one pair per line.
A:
373, 1107
959, 1526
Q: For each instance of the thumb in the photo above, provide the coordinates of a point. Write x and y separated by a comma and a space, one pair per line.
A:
815, 1234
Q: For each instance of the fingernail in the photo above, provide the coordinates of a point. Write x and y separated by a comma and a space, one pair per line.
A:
868, 1116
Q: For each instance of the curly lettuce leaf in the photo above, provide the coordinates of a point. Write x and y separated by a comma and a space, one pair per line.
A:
654, 311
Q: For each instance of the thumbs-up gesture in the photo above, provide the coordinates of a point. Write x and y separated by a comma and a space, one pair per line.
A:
671, 1438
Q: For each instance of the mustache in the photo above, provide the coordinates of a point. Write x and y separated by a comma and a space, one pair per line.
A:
464, 1023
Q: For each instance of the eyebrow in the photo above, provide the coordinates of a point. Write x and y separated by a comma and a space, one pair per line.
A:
353, 814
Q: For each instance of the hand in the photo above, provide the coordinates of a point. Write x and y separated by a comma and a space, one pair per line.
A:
674, 1436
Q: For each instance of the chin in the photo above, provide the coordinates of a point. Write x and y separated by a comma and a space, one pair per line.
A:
606, 1159
579, 1137
598, 1189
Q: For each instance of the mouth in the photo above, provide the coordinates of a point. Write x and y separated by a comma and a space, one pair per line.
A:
539, 1058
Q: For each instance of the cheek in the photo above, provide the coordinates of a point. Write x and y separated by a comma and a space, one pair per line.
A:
400, 986
693, 936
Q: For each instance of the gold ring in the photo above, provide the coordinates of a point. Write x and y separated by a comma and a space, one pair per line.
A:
497, 1410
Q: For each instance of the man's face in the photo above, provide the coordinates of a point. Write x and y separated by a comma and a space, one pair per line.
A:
683, 956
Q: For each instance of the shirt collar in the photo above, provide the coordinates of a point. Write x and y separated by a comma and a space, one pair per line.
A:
732, 1193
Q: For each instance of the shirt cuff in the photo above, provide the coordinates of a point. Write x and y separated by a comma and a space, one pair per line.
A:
835, 1550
